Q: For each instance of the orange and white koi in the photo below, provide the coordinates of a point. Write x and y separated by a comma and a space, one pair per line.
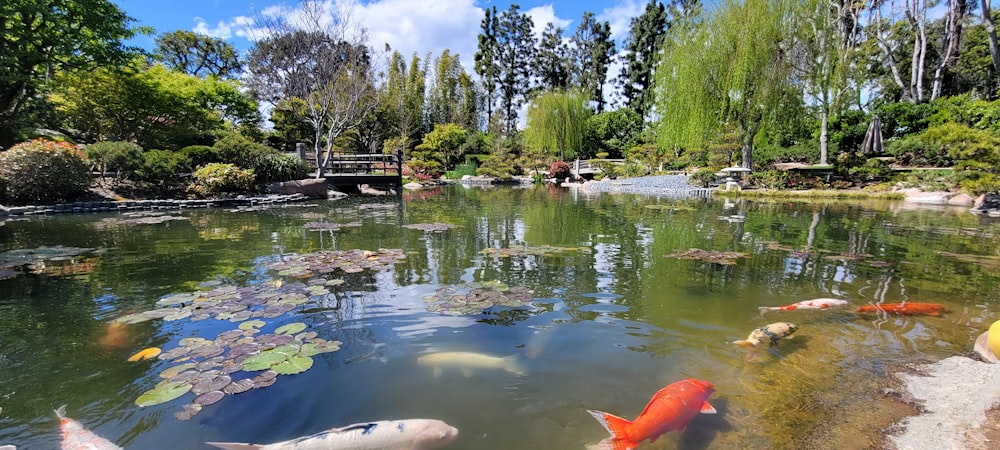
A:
76, 437
906, 308
671, 408
817, 303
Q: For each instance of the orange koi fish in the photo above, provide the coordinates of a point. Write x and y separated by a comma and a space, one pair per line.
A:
671, 408
818, 303
906, 308
76, 437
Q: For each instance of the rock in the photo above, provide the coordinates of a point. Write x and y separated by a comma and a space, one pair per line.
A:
961, 200
982, 347
932, 198
311, 187
986, 203
955, 394
412, 185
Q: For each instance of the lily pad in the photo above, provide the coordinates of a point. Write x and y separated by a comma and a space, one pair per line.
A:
162, 394
189, 411
291, 328
172, 371
312, 349
209, 398
709, 256
263, 361
252, 324
238, 386
435, 227
294, 365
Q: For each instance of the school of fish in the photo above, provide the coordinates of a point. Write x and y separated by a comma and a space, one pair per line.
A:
670, 408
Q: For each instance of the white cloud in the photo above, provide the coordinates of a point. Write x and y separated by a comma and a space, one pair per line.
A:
620, 17
222, 30
410, 26
542, 15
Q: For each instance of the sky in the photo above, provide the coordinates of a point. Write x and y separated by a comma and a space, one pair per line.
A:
408, 26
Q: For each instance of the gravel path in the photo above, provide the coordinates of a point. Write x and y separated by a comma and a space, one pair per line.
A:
659, 185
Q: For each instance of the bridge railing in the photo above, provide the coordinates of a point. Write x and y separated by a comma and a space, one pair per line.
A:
364, 164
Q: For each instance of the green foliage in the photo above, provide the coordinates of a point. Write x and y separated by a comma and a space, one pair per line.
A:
461, 170
42, 38
647, 34
873, 169
903, 118
237, 149
702, 177
930, 180
612, 132
976, 154
556, 123
515, 43
42, 172
197, 54
552, 59
497, 165
121, 157
963, 109
592, 51
917, 150
442, 145
768, 155
769, 179
275, 167
216, 179
199, 155
160, 167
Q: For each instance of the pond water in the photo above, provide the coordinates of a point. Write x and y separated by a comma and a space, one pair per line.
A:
580, 291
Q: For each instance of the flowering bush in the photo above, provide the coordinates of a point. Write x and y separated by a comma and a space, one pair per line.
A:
42, 172
218, 178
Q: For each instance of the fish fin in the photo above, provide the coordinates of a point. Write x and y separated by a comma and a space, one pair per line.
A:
61, 412
743, 343
437, 371
234, 445
707, 408
764, 309
789, 336
466, 372
511, 365
615, 425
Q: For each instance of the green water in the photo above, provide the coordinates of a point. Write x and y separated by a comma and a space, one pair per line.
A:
611, 319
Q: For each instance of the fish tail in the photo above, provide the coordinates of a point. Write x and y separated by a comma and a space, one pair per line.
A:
764, 309
511, 365
234, 445
618, 428
744, 343
61, 412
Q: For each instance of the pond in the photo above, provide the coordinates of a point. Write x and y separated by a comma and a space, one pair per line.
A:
587, 296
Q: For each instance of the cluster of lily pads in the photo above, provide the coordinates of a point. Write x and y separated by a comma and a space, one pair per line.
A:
212, 369
542, 250
55, 261
709, 256
329, 226
476, 298
139, 218
436, 227
326, 261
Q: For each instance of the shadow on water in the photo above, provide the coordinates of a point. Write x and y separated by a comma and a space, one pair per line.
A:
704, 428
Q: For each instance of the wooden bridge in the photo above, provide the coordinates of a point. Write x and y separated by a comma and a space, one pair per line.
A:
351, 170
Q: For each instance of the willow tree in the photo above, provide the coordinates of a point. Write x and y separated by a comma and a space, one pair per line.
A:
557, 121
730, 70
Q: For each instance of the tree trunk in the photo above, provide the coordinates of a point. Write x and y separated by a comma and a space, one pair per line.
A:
824, 136
949, 45
991, 32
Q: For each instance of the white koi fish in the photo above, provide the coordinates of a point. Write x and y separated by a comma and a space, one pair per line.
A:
818, 303
76, 437
412, 434
770, 333
466, 362
7, 447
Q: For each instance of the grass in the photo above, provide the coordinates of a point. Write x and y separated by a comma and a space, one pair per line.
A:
812, 194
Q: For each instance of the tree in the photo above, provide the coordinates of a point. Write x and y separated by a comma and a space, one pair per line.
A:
403, 94
556, 123
439, 150
325, 63
950, 44
825, 51
452, 96
515, 58
641, 56
730, 70
197, 54
612, 132
991, 33
592, 49
553, 59
39, 38
487, 66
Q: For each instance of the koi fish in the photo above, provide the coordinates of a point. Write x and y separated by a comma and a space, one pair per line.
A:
76, 437
412, 434
466, 362
7, 447
818, 303
671, 408
906, 308
770, 333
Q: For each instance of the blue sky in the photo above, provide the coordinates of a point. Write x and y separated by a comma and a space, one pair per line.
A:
407, 25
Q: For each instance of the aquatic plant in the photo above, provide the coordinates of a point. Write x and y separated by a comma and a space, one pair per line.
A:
709, 256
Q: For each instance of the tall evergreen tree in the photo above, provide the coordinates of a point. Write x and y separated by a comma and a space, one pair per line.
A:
452, 96
198, 54
516, 55
487, 66
592, 49
644, 42
553, 60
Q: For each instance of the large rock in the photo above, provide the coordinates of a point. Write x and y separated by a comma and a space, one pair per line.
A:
311, 187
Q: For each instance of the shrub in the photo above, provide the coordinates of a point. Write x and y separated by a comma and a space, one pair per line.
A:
42, 171
161, 166
273, 167
770, 179
702, 177
497, 166
560, 170
220, 178
121, 157
238, 150
200, 155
